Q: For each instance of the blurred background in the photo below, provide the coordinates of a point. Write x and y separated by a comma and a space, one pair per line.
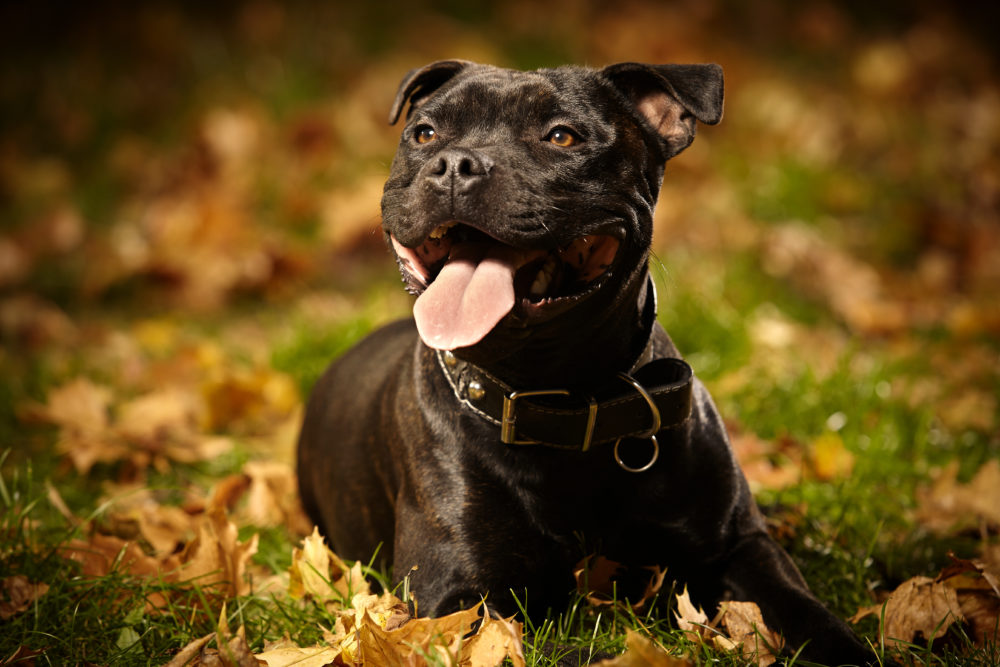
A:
212, 163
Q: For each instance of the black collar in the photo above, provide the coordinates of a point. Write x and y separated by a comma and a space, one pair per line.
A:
655, 395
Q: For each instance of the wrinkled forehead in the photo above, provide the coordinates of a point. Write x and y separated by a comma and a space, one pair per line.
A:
513, 96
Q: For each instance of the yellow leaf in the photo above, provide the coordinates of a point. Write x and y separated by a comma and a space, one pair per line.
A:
294, 656
440, 637
309, 573
496, 640
830, 459
643, 652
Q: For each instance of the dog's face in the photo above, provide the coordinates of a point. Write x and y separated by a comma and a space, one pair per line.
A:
516, 196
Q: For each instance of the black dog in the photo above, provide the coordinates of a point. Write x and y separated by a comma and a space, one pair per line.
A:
535, 401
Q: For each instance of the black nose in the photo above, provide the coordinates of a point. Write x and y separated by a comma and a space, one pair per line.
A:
459, 169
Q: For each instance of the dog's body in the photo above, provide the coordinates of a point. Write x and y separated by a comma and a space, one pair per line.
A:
543, 285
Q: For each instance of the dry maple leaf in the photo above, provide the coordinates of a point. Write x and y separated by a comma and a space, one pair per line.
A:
977, 585
950, 505
495, 641
919, 605
287, 654
689, 618
414, 642
273, 497
248, 401
19, 593
81, 410
319, 573
216, 559
746, 628
605, 582
643, 652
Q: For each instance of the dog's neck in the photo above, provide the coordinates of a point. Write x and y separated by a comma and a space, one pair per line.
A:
605, 341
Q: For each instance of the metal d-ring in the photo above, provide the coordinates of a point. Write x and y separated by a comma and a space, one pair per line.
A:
652, 460
655, 411
650, 433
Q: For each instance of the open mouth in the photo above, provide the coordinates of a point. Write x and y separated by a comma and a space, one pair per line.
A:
540, 275
467, 281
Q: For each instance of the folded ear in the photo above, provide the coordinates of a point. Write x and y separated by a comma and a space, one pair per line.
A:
421, 82
671, 97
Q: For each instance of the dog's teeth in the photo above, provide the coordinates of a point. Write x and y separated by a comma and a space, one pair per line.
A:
540, 285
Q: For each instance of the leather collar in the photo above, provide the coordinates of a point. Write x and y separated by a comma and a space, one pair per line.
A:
654, 396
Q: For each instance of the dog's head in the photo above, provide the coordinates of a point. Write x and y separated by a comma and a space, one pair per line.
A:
516, 197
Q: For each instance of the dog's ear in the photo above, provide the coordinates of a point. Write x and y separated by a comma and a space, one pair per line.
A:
421, 82
671, 97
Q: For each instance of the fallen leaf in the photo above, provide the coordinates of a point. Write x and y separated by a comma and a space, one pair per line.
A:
296, 656
310, 572
948, 505
605, 582
830, 459
689, 618
216, 559
495, 641
746, 628
977, 585
273, 497
643, 652
233, 650
190, 651
919, 605
766, 464
19, 593
22, 657
429, 638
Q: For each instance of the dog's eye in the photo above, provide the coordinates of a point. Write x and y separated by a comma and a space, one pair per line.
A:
562, 137
424, 134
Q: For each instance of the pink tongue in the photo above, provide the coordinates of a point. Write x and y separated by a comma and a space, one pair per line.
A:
470, 295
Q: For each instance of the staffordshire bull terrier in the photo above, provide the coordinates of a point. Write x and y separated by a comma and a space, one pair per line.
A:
533, 407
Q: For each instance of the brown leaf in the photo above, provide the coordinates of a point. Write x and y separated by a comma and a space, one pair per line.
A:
233, 649
643, 652
604, 582
190, 652
948, 504
22, 657
746, 628
919, 605
766, 464
19, 593
101, 554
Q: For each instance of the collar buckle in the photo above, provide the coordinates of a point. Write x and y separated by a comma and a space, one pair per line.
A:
508, 420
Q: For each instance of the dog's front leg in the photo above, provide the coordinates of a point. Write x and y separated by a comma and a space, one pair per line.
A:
758, 569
